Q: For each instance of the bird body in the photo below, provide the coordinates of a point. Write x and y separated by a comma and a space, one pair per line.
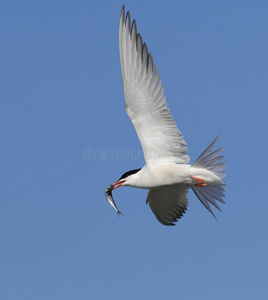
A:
167, 173
155, 175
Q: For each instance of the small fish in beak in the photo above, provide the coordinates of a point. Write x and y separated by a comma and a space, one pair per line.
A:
109, 197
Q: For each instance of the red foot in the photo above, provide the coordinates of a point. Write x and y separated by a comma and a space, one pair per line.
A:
201, 181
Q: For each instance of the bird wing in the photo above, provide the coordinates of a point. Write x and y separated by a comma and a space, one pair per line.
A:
168, 202
145, 99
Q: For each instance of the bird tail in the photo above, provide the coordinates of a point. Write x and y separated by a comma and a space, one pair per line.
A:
211, 161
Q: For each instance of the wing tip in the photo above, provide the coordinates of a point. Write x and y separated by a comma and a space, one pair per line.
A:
122, 15
141, 47
163, 222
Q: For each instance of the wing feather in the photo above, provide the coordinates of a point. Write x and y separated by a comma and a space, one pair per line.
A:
168, 203
145, 99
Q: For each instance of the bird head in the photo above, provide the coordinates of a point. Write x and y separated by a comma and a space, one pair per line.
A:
125, 178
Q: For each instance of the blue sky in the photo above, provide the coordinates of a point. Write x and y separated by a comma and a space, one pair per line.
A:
64, 129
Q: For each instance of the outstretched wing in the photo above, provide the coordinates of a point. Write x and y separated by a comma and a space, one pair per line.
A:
168, 202
145, 99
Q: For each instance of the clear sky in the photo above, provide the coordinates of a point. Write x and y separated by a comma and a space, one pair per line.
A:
65, 135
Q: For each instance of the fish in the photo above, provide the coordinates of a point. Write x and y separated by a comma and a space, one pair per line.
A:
109, 197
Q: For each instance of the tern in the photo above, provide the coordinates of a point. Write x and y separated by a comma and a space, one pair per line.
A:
167, 172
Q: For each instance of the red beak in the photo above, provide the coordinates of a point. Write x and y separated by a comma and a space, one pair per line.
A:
117, 184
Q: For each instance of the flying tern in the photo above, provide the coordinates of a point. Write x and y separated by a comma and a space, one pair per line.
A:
167, 172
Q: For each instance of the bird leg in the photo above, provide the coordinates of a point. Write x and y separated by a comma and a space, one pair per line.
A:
201, 181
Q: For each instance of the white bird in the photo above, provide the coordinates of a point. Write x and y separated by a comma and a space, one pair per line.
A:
167, 174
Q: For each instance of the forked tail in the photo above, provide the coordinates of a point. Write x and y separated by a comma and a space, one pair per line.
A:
211, 161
